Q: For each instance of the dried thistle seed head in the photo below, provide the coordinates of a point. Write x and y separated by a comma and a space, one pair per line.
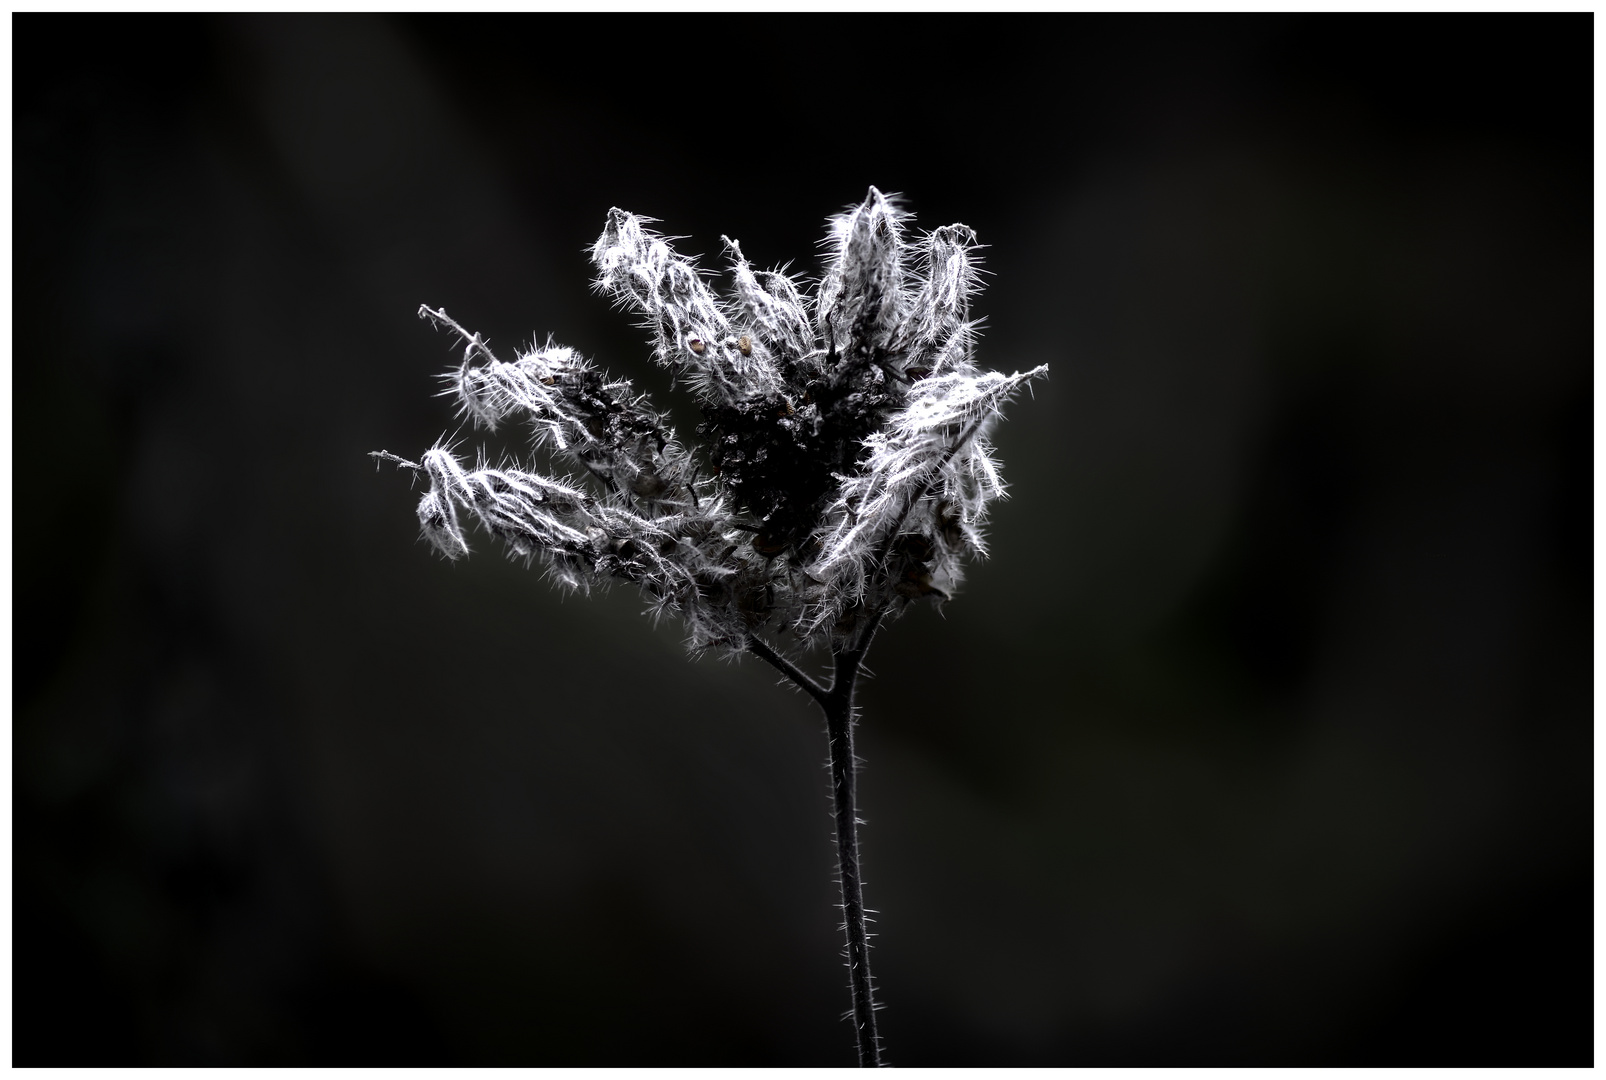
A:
844, 471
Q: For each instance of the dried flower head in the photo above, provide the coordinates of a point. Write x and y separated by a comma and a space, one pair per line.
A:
844, 470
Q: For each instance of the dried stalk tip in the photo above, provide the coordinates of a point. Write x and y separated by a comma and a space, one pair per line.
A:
844, 464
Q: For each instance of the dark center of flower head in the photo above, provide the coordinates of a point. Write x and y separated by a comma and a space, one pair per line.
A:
781, 461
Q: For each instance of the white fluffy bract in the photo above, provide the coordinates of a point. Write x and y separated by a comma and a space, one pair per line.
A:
882, 351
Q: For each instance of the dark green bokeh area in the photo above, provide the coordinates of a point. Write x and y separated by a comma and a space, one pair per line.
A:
1264, 737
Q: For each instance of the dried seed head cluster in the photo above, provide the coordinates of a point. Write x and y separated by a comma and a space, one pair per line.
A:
845, 469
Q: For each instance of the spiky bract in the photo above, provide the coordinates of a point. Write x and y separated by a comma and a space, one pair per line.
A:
845, 468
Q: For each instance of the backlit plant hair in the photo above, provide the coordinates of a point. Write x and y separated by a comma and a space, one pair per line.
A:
844, 472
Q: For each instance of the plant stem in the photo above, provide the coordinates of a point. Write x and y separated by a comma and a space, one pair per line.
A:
844, 767
837, 704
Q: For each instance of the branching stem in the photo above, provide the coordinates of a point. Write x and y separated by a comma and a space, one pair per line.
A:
837, 704
761, 649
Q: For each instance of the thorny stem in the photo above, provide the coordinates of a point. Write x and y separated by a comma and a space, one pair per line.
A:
839, 725
837, 704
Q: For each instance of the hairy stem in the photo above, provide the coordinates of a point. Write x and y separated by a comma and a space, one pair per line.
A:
839, 727
761, 649
837, 704
839, 719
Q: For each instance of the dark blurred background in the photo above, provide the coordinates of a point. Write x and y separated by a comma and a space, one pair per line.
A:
1263, 739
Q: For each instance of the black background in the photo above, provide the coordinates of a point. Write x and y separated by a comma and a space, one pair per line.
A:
1263, 738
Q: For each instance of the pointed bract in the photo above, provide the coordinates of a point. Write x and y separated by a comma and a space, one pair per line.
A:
845, 470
